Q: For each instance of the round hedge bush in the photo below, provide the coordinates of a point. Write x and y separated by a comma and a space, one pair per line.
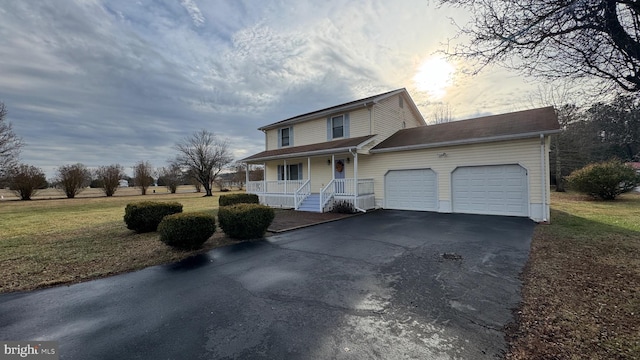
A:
245, 221
187, 231
145, 216
604, 180
241, 198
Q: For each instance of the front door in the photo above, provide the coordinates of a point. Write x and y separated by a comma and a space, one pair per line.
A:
339, 175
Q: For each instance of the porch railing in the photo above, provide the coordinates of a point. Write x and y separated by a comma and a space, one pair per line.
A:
274, 186
327, 193
365, 186
302, 193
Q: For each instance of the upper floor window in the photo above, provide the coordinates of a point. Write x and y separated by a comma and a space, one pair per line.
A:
400, 101
285, 137
337, 126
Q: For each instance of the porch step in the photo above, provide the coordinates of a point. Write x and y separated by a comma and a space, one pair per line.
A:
311, 203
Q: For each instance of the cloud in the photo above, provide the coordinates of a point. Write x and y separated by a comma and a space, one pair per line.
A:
101, 82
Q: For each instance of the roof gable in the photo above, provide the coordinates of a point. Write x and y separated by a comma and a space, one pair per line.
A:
344, 107
521, 124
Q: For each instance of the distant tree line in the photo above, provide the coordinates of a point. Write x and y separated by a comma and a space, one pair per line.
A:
200, 161
599, 132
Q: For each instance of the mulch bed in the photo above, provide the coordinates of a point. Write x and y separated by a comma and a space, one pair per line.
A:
292, 219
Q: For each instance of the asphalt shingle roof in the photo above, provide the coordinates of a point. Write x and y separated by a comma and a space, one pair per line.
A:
317, 148
524, 123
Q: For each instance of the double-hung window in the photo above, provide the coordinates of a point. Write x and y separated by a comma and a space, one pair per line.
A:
285, 137
294, 172
337, 126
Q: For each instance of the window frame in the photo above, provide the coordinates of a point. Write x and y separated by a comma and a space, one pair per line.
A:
334, 127
281, 135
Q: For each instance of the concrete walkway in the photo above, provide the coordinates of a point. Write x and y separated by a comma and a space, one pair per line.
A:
372, 286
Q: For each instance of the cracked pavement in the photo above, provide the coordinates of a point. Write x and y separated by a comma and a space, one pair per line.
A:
370, 286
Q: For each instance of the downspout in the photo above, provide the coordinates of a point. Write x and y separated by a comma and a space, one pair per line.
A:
543, 176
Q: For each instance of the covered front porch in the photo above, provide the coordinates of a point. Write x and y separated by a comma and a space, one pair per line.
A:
314, 183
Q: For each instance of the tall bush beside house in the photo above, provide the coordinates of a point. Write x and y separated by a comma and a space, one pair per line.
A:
232, 199
187, 231
604, 180
146, 216
245, 221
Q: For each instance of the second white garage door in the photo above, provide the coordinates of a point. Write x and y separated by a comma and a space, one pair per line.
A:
493, 190
414, 189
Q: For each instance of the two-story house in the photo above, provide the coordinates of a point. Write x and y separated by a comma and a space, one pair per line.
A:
378, 152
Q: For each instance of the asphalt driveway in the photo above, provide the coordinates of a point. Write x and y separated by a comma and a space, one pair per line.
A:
370, 286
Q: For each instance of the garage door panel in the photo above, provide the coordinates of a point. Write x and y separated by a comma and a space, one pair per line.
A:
414, 189
495, 190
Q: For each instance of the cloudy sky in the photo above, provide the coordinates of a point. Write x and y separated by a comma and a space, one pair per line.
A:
119, 81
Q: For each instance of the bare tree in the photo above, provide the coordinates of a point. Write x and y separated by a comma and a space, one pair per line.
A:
170, 177
556, 39
559, 97
10, 144
25, 180
442, 113
109, 177
143, 176
73, 179
205, 155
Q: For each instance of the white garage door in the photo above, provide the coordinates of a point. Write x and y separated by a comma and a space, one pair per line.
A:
411, 190
494, 190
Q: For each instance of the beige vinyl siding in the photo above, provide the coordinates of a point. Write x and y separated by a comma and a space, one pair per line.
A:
272, 139
310, 132
523, 152
359, 123
387, 117
410, 117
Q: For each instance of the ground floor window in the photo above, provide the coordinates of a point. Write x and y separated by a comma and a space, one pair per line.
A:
294, 172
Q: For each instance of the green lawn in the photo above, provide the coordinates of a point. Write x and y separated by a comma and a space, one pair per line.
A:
581, 286
47, 242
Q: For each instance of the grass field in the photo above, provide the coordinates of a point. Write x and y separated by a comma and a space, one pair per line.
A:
581, 286
49, 242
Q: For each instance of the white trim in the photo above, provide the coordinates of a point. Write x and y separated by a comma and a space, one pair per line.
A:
465, 141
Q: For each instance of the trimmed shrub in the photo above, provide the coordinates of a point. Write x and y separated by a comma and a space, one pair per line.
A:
232, 199
245, 221
343, 207
187, 231
145, 216
604, 180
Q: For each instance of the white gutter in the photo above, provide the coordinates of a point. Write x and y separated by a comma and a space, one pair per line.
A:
543, 169
465, 141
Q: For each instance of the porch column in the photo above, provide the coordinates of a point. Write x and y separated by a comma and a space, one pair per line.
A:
285, 176
308, 168
264, 177
246, 175
355, 176
333, 166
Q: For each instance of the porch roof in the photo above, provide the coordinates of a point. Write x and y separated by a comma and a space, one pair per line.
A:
510, 126
323, 148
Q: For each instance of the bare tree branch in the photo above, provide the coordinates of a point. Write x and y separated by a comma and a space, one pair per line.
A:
556, 39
